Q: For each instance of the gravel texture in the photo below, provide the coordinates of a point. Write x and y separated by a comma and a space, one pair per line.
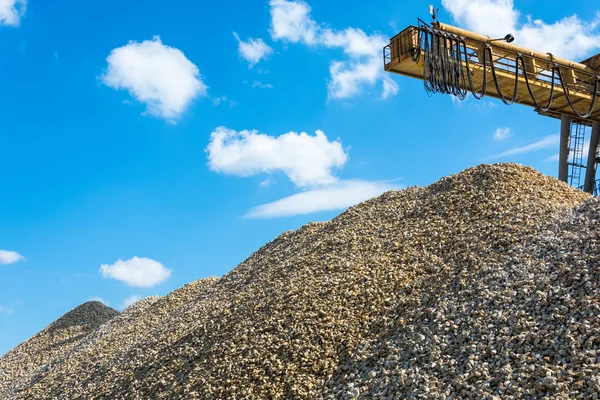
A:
55, 340
482, 285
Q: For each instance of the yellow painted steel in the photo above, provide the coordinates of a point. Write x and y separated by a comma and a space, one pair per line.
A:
579, 77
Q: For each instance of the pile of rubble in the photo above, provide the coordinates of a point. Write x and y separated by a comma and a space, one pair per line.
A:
483, 284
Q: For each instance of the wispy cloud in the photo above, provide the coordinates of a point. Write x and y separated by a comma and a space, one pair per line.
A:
308, 161
99, 299
253, 50
6, 310
457, 101
129, 301
224, 100
336, 197
10, 257
266, 183
481, 106
582, 154
502, 134
547, 142
390, 88
260, 85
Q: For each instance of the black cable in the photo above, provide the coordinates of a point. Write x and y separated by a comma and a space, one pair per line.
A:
549, 105
568, 97
500, 94
444, 72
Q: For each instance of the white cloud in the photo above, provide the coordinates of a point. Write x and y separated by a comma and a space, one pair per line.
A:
253, 50
219, 100
482, 105
570, 37
547, 142
583, 153
6, 310
157, 75
390, 87
260, 85
305, 159
9, 257
100, 299
11, 11
353, 41
142, 272
223, 100
489, 17
291, 22
130, 300
457, 101
266, 183
336, 197
502, 134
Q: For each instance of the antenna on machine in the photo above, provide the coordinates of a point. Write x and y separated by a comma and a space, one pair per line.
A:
434, 12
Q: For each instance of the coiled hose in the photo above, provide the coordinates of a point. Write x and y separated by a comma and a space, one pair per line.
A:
446, 58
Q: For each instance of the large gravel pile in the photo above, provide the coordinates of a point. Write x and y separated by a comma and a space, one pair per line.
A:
483, 284
517, 319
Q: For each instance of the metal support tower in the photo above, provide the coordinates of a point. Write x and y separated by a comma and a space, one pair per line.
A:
565, 141
576, 153
592, 160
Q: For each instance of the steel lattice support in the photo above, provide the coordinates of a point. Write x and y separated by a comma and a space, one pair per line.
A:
592, 160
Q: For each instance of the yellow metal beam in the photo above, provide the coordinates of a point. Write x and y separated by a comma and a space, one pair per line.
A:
578, 78
510, 47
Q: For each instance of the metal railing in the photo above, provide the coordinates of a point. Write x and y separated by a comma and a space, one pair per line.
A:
401, 44
595, 188
387, 55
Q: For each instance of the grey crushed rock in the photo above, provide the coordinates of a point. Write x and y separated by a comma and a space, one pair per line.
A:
524, 324
482, 285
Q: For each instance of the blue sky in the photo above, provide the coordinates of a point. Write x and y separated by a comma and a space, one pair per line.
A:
144, 145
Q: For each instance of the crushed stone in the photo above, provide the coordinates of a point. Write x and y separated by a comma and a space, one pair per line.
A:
482, 285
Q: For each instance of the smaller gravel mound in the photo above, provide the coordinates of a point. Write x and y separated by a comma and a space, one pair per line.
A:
57, 339
142, 328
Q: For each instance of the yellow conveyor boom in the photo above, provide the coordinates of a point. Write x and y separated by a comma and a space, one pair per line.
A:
579, 77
